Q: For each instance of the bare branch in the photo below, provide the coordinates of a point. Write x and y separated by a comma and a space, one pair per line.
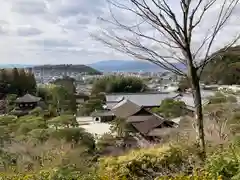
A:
141, 52
216, 54
222, 18
174, 36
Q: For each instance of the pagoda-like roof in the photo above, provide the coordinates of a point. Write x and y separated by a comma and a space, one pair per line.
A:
28, 98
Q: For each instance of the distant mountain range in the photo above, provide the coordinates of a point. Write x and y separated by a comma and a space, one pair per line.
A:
128, 66
108, 66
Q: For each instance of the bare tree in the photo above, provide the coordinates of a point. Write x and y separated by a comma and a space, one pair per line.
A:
173, 38
220, 116
222, 121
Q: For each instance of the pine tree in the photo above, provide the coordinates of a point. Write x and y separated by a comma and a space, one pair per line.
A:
31, 85
15, 81
22, 82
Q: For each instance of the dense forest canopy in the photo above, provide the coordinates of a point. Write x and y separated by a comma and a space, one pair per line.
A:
118, 84
16, 81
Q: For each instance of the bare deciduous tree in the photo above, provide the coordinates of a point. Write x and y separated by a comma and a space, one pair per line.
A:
173, 38
222, 121
220, 116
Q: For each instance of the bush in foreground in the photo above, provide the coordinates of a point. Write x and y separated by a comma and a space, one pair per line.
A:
149, 163
157, 163
225, 164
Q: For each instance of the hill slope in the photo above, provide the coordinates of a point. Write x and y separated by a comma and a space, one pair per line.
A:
68, 67
224, 70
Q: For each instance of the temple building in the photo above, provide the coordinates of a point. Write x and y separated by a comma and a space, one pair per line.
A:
27, 102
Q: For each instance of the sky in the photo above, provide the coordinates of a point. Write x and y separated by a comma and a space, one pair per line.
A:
58, 31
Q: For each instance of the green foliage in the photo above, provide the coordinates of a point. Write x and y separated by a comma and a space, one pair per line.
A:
226, 164
121, 128
75, 135
41, 135
17, 81
67, 83
58, 98
11, 102
147, 163
6, 120
106, 140
171, 108
54, 174
28, 124
34, 145
63, 121
7, 124
36, 111
116, 84
231, 99
196, 176
69, 90
221, 98
184, 84
93, 104
227, 63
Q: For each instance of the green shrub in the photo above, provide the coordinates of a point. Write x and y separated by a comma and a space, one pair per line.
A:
147, 163
198, 175
54, 174
225, 164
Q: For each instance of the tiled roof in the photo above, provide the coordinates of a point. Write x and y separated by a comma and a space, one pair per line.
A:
187, 98
125, 109
150, 123
111, 105
141, 99
160, 132
139, 118
28, 98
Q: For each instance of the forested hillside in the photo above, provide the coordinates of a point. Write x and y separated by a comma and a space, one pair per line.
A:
68, 67
224, 69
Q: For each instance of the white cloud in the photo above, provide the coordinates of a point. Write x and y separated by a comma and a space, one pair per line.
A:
58, 31
51, 31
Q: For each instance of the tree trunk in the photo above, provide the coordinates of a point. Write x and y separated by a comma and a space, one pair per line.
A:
198, 111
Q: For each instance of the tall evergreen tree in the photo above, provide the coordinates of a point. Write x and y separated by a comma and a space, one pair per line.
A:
15, 81
31, 85
3, 83
22, 82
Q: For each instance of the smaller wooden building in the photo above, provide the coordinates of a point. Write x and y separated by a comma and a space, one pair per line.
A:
27, 102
